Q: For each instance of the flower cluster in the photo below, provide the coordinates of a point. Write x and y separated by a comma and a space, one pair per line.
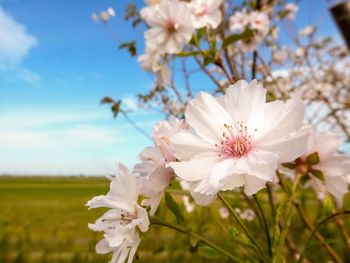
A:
233, 141
256, 22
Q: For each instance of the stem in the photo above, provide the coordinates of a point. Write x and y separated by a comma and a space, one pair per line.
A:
266, 226
308, 225
135, 125
314, 232
157, 221
241, 224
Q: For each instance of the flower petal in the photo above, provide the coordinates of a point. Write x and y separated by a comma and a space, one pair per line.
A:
185, 145
197, 168
253, 184
207, 117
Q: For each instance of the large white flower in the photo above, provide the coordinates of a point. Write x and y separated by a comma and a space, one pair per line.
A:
206, 13
237, 140
334, 167
170, 25
154, 177
121, 223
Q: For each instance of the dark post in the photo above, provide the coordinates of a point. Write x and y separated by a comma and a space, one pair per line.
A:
341, 15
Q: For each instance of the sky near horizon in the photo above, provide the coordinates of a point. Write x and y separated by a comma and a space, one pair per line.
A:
55, 66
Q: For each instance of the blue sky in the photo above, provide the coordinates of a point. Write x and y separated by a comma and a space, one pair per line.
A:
55, 66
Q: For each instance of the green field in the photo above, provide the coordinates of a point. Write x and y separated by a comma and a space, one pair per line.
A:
43, 219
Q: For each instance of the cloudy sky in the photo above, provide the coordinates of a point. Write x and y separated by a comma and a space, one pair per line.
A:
55, 66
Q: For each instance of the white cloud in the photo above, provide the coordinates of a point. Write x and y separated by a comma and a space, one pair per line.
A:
29, 76
38, 141
15, 41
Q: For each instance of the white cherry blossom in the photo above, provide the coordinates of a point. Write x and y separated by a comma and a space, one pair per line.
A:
307, 31
260, 22
238, 21
237, 140
335, 167
121, 223
291, 10
154, 177
170, 25
150, 59
206, 13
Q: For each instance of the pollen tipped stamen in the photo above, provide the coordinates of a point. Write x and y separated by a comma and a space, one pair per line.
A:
171, 26
235, 143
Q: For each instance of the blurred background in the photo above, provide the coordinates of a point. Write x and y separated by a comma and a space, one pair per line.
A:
56, 139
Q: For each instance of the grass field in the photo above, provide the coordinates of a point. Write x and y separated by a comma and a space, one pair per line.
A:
43, 219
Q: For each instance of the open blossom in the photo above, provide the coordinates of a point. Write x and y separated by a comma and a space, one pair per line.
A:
238, 21
224, 213
307, 31
150, 59
154, 177
121, 223
170, 25
206, 13
260, 22
237, 140
291, 10
334, 167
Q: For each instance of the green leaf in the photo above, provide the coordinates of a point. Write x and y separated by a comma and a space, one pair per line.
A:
328, 206
188, 54
129, 46
313, 159
289, 165
174, 208
238, 236
278, 259
247, 33
208, 252
196, 39
107, 100
116, 108
318, 174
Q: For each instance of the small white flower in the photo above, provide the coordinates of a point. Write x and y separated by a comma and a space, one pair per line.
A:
300, 52
238, 21
291, 10
150, 60
237, 140
170, 25
154, 177
121, 223
334, 167
280, 56
111, 11
248, 215
206, 13
224, 213
260, 22
307, 31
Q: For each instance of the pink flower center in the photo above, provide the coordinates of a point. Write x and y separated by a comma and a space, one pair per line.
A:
203, 10
171, 26
235, 144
